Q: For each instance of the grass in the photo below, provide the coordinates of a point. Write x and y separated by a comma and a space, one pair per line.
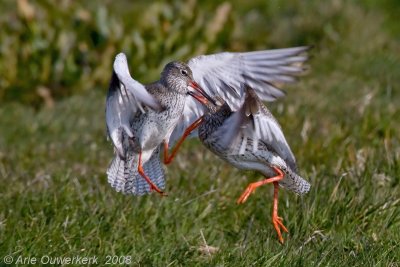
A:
341, 121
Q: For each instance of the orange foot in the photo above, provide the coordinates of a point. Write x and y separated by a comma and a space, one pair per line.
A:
153, 187
276, 220
250, 189
253, 186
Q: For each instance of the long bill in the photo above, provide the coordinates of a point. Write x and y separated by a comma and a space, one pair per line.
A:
202, 96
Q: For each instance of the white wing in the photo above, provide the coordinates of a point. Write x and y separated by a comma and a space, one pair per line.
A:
253, 121
224, 75
124, 99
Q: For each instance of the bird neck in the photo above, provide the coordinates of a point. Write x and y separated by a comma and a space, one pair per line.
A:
214, 118
173, 85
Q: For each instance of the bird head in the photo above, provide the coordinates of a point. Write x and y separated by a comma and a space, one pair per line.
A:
178, 76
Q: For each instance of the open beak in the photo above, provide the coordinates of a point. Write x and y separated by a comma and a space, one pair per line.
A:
200, 95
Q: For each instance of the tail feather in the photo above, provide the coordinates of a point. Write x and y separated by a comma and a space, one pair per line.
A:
131, 175
294, 182
137, 185
124, 176
154, 169
116, 173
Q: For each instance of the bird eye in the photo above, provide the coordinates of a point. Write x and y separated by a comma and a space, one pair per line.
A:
184, 72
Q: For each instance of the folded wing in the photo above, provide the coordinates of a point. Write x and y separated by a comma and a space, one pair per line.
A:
251, 124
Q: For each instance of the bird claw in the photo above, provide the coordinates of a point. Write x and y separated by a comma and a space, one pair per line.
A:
243, 197
251, 188
276, 220
148, 180
278, 224
155, 188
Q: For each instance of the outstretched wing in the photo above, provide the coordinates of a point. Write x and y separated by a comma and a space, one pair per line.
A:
224, 75
125, 98
251, 124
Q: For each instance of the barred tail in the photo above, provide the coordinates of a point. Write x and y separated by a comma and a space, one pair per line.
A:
116, 174
124, 177
294, 182
153, 168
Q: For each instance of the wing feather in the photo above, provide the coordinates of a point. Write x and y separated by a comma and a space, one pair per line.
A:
252, 121
125, 98
224, 75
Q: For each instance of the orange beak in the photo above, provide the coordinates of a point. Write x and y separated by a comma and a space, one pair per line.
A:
202, 96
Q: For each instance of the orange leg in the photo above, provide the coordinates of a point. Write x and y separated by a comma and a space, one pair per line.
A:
148, 180
252, 187
168, 158
276, 220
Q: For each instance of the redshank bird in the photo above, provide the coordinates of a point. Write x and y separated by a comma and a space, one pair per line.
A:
251, 139
224, 74
137, 135
139, 118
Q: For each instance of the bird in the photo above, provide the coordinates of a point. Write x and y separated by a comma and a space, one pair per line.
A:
144, 120
139, 118
250, 138
224, 75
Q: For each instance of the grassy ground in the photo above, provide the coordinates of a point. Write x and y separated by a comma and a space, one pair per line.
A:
342, 121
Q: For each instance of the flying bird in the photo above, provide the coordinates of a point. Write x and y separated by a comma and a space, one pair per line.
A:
144, 120
250, 138
139, 118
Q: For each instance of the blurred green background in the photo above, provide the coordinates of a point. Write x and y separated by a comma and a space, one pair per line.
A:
59, 48
341, 120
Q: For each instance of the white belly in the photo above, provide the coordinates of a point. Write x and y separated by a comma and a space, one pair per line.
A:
257, 161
